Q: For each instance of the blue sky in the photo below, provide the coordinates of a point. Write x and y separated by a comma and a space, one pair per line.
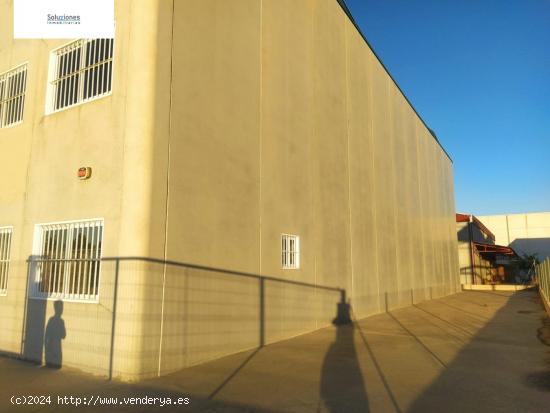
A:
478, 72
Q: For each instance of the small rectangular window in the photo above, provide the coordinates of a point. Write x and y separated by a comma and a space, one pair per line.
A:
290, 251
68, 263
5, 249
79, 72
13, 85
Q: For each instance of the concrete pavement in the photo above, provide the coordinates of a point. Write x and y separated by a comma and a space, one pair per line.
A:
473, 351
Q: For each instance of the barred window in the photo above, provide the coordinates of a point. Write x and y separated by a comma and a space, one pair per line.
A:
13, 85
68, 265
5, 248
290, 251
79, 72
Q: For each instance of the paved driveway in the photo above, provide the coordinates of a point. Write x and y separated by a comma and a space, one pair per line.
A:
470, 352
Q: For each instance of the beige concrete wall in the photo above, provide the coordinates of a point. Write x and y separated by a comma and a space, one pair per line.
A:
118, 137
256, 118
284, 121
526, 233
39, 159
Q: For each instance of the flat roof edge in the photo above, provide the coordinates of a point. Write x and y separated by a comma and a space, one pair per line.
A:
347, 11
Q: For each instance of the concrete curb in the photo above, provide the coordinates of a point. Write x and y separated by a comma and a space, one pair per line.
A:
495, 287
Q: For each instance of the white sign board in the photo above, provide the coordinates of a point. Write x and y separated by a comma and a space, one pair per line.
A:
63, 19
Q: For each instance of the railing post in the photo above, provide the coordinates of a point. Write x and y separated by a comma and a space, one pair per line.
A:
544, 283
542, 277
546, 276
115, 297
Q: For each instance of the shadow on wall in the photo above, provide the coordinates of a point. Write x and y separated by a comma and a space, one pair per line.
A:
55, 332
539, 246
40, 340
463, 234
342, 386
32, 342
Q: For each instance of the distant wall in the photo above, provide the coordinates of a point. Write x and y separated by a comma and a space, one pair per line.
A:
525, 233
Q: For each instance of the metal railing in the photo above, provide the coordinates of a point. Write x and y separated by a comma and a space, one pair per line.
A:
175, 314
155, 316
543, 279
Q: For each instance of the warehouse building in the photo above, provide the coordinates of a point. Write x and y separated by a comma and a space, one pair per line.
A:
220, 181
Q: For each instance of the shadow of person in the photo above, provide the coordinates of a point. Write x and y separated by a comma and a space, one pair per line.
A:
342, 385
34, 316
55, 332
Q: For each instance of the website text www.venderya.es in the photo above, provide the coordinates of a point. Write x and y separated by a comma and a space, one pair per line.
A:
94, 400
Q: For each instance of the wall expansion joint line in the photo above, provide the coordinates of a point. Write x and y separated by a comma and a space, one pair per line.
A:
166, 212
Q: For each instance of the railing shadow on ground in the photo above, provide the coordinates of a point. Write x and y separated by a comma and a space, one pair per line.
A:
378, 367
331, 394
106, 396
334, 396
478, 367
509, 375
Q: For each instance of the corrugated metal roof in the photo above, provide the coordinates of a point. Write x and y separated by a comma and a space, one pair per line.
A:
494, 249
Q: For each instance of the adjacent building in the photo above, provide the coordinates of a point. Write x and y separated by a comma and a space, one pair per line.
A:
218, 177
474, 269
527, 234
481, 260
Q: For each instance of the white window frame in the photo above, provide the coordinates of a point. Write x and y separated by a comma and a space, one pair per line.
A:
53, 67
5, 257
68, 271
290, 251
4, 99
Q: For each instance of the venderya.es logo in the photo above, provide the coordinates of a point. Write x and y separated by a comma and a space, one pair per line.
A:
63, 19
